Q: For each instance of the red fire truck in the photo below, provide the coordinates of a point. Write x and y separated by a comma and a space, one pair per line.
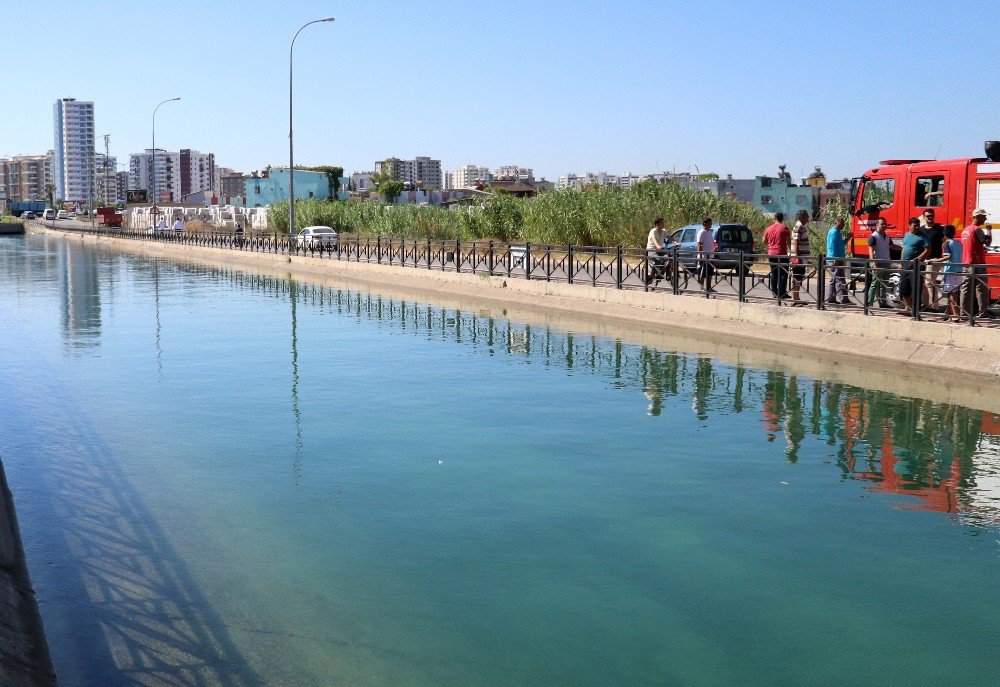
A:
900, 189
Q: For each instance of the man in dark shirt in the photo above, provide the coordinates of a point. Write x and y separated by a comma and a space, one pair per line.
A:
916, 246
935, 235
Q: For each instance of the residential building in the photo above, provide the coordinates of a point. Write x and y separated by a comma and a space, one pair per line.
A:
513, 173
468, 176
224, 172
361, 182
780, 194
74, 148
121, 186
422, 171
232, 186
272, 186
106, 178
167, 177
25, 177
197, 172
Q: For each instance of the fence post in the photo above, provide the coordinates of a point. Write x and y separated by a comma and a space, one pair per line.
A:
569, 263
489, 257
741, 287
821, 283
618, 267
458, 255
675, 284
527, 261
916, 289
868, 285
378, 249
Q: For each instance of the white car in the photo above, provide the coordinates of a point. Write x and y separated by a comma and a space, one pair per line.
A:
49, 213
317, 237
62, 215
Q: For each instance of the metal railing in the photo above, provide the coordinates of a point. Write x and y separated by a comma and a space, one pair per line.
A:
809, 281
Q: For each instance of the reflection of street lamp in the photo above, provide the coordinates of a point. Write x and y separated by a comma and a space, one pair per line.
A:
291, 154
168, 100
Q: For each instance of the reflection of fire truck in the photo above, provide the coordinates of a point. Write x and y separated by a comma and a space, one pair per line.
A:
900, 189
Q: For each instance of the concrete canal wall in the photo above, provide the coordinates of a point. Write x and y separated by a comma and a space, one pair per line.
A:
931, 354
24, 653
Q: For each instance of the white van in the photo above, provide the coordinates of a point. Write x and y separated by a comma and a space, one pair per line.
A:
49, 214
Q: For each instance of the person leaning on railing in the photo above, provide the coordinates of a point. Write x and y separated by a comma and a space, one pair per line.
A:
880, 248
916, 247
975, 238
836, 252
951, 259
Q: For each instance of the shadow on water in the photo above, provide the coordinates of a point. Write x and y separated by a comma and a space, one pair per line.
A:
126, 610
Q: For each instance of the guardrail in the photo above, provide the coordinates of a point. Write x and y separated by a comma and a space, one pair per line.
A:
809, 281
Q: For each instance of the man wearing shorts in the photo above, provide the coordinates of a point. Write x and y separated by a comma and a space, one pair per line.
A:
915, 247
706, 249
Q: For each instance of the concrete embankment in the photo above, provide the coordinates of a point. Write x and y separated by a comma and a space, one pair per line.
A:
949, 362
24, 653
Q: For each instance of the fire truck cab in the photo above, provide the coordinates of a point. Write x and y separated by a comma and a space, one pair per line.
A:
900, 189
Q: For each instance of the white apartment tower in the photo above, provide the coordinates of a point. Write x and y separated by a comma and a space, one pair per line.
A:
468, 176
74, 148
168, 176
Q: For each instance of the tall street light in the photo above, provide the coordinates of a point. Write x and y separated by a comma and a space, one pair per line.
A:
168, 100
291, 149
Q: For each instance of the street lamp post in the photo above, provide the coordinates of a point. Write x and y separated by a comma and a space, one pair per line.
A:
153, 190
291, 149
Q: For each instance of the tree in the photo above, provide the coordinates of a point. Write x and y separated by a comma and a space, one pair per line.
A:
391, 189
50, 192
333, 175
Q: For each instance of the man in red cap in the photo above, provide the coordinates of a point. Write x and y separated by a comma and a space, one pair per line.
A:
974, 241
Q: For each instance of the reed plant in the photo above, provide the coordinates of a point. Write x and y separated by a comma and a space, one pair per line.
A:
591, 216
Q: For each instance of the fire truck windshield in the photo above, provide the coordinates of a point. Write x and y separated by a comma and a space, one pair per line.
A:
877, 194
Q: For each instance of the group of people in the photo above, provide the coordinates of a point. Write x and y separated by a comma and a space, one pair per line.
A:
657, 244
789, 252
953, 266
178, 225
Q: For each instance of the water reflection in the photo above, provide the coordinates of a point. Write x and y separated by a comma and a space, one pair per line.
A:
937, 456
80, 295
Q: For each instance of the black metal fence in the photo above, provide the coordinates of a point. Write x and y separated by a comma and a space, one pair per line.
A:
919, 289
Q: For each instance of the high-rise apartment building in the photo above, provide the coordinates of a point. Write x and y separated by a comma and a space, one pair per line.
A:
468, 176
26, 177
421, 171
197, 172
167, 177
74, 148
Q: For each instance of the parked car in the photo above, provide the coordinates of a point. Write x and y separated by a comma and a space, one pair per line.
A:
730, 239
28, 214
49, 214
317, 237
71, 215
62, 214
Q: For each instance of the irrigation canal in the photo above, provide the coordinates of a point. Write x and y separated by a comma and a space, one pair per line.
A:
229, 479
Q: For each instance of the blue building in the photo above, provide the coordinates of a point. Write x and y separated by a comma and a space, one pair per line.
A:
779, 194
272, 185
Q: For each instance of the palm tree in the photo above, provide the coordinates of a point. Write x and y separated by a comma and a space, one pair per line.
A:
50, 190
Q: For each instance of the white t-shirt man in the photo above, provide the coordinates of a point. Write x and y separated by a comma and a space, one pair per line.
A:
705, 241
657, 238
179, 225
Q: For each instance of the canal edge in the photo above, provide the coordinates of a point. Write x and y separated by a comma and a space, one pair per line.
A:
956, 349
24, 651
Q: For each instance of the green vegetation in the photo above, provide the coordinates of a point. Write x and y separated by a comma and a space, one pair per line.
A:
333, 175
599, 217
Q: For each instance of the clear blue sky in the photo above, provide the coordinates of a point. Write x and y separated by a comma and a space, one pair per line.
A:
559, 86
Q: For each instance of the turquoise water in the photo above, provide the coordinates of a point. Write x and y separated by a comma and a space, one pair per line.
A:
224, 479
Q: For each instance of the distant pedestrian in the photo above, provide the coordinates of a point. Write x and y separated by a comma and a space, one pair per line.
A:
178, 226
801, 254
836, 252
975, 238
706, 250
916, 247
777, 237
880, 249
656, 245
161, 226
935, 234
951, 285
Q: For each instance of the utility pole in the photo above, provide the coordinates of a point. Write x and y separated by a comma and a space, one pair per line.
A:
107, 163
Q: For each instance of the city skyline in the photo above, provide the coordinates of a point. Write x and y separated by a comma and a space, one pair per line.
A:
736, 90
